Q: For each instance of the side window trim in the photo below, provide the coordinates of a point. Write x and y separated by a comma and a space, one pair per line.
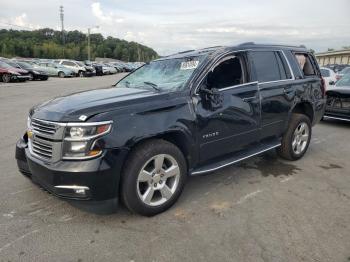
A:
289, 66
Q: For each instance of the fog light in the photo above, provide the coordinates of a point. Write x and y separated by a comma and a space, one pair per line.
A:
80, 191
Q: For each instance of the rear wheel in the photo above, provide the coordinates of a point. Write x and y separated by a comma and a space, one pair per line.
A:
81, 74
6, 78
61, 74
296, 140
153, 177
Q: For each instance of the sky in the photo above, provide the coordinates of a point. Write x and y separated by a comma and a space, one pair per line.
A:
173, 26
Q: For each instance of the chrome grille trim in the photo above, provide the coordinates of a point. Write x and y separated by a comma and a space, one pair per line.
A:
41, 149
43, 127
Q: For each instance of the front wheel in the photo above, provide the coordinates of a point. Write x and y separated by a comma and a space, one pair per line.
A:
6, 78
81, 74
153, 177
61, 75
296, 140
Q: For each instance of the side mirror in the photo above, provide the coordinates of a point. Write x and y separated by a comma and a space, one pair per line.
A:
212, 98
332, 83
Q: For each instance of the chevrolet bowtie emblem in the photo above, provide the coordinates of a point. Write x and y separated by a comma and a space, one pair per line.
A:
30, 134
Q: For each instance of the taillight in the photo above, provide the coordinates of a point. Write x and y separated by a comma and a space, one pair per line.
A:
323, 87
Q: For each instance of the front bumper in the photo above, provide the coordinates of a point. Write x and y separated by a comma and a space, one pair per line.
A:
96, 179
20, 77
89, 73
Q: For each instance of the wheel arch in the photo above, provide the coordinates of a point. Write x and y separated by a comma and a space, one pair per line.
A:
178, 138
304, 108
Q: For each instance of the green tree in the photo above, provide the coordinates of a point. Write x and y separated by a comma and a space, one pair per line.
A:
47, 43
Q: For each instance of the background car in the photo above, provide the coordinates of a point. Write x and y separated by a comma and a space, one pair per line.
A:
57, 69
345, 70
338, 100
34, 73
89, 70
336, 67
9, 73
79, 69
96, 66
329, 76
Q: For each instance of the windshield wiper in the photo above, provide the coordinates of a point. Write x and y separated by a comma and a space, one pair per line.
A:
155, 86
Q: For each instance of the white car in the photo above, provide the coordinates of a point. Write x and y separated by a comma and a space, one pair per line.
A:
110, 68
78, 68
329, 76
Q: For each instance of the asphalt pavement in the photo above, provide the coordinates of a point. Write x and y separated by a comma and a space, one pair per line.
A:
263, 209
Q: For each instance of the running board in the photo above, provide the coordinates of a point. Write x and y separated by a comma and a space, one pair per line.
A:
337, 118
235, 158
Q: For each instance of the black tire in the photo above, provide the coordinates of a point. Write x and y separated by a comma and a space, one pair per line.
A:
61, 75
286, 150
138, 158
6, 78
81, 74
31, 77
44, 78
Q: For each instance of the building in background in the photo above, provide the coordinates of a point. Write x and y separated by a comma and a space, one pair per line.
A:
334, 57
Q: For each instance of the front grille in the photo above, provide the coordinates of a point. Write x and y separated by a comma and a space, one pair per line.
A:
46, 141
41, 149
44, 127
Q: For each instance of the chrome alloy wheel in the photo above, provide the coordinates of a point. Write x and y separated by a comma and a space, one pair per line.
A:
158, 180
300, 138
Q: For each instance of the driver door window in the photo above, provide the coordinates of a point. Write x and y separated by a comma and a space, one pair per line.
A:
229, 72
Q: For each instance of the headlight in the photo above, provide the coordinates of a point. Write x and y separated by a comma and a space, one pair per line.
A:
13, 72
81, 141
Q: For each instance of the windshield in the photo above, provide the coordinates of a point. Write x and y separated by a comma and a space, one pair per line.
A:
80, 64
11, 63
169, 75
345, 70
344, 81
25, 65
4, 65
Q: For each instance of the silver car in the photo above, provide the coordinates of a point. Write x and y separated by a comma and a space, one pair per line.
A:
57, 70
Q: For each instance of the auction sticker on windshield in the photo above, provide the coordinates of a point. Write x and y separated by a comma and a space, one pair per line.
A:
189, 65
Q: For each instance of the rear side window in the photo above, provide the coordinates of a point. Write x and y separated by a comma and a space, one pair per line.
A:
305, 64
270, 66
68, 63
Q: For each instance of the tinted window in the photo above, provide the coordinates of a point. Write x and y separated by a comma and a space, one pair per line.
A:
68, 63
325, 72
268, 66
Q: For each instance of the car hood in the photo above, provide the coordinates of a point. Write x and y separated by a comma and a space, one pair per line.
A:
18, 70
89, 103
342, 92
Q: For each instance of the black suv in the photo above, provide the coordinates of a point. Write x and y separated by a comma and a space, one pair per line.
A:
183, 115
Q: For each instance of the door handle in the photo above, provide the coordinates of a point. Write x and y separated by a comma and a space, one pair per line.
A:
247, 99
288, 90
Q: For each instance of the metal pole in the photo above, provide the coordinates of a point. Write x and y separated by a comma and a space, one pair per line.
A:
89, 44
62, 27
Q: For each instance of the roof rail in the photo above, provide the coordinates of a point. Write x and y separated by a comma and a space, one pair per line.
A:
247, 43
188, 51
217, 46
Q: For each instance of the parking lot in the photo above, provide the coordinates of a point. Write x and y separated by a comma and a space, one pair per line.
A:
263, 209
